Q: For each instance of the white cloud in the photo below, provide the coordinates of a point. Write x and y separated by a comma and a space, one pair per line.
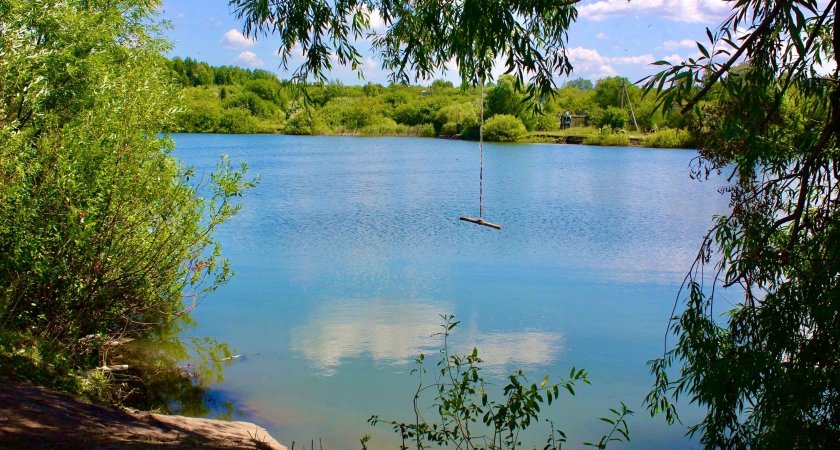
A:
705, 11
249, 58
674, 59
234, 39
640, 59
684, 43
396, 331
589, 62
602, 36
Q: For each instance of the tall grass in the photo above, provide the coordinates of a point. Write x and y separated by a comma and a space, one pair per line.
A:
670, 138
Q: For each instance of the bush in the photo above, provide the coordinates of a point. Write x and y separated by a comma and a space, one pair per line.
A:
238, 121
504, 128
306, 123
199, 121
101, 232
546, 122
425, 130
613, 117
382, 127
669, 138
607, 137
449, 129
252, 103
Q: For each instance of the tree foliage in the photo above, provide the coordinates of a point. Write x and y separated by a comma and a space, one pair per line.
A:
101, 230
421, 37
765, 93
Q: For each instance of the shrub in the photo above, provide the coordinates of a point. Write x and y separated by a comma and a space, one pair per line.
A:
449, 128
546, 122
504, 128
101, 232
424, 130
199, 121
613, 117
383, 126
238, 121
670, 138
306, 123
607, 137
253, 103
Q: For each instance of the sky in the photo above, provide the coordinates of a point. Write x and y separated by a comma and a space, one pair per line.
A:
610, 37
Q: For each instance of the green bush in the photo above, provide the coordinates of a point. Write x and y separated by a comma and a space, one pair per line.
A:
607, 137
199, 121
101, 232
252, 103
383, 126
669, 138
425, 130
613, 117
306, 123
449, 129
546, 122
238, 121
504, 128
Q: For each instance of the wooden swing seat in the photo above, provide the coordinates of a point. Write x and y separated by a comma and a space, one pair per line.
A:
481, 221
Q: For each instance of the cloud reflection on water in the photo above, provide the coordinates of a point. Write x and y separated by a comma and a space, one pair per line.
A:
395, 332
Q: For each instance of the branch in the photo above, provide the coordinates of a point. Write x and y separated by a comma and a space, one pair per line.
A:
726, 66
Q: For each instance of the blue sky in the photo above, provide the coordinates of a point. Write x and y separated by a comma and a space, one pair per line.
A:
610, 37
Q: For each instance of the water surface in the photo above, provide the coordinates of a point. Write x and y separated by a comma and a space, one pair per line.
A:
350, 249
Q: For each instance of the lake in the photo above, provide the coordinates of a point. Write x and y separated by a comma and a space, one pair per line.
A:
350, 249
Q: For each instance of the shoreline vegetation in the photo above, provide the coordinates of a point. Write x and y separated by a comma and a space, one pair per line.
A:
232, 100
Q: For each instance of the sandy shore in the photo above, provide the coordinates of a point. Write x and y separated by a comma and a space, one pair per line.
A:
32, 417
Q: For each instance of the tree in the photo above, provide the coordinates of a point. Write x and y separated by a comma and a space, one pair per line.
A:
421, 37
101, 232
504, 98
767, 373
579, 83
610, 92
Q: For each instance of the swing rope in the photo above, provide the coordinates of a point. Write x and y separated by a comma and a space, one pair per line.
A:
481, 158
480, 219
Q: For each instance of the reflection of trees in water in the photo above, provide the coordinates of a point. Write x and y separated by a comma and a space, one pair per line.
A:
171, 373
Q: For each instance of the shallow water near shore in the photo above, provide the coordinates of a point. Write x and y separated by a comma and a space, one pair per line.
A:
350, 249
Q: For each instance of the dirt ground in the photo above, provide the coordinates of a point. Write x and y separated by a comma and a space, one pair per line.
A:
32, 417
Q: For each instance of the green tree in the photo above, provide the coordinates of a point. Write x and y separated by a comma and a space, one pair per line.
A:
767, 372
610, 92
504, 98
421, 36
613, 117
579, 83
101, 232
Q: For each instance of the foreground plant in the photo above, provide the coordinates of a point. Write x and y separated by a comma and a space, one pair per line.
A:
102, 234
468, 414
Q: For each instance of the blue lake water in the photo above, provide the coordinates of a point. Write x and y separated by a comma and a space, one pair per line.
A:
349, 249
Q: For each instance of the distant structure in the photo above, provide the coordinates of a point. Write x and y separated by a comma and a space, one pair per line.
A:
580, 120
573, 120
566, 120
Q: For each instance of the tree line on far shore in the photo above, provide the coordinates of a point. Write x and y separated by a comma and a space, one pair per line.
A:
226, 99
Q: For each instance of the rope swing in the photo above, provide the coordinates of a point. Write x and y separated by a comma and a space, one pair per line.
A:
480, 220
